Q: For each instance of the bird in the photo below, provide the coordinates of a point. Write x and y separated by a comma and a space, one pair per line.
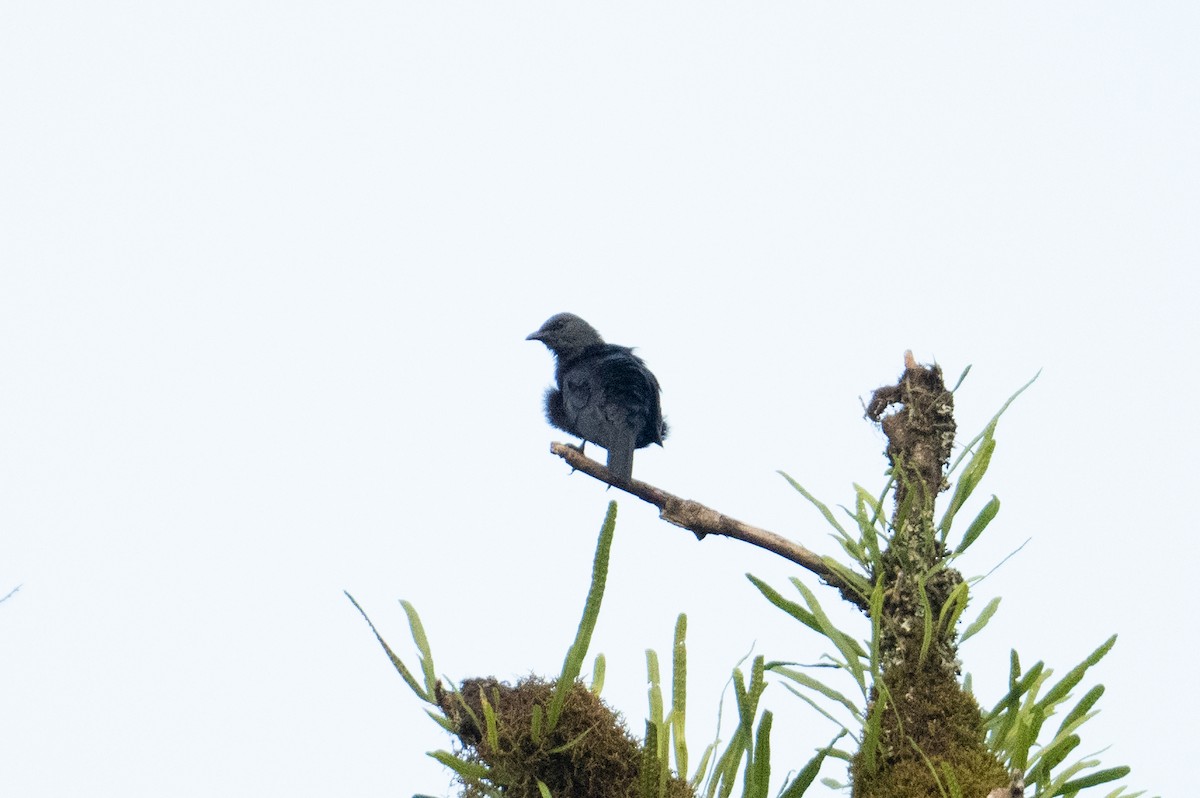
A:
603, 393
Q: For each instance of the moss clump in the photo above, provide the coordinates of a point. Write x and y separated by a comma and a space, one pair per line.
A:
589, 754
929, 725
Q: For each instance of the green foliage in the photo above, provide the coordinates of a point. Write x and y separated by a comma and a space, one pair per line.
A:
598, 671
669, 730
679, 695
1015, 726
648, 786
970, 478
758, 766
852, 659
423, 691
742, 743
977, 526
557, 739
980, 450
656, 724
539, 739
808, 774
573, 663
981, 621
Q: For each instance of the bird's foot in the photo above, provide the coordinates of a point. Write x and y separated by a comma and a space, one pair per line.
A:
579, 449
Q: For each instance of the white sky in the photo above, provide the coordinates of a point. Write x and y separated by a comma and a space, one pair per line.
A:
265, 274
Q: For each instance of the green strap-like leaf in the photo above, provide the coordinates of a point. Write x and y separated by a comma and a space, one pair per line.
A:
1051, 757
442, 721
1093, 779
648, 776
792, 608
872, 729
489, 720
426, 695
1059, 691
573, 663
418, 635
970, 478
816, 684
847, 645
819, 709
926, 619
536, 723
808, 774
746, 696
598, 670
961, 378
853, 580
1081, 709
655, 689
679, 696
569, 744
702, 767
980, 622
991, 425
978, 525
875, 612
866, 525
469, 771
758, 767
816, 503
952, 610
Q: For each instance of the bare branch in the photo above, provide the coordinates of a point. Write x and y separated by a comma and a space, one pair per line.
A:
702, 520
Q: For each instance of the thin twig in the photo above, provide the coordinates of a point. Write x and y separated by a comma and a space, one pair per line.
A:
702, 520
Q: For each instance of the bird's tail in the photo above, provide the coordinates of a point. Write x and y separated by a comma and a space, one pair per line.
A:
620, 455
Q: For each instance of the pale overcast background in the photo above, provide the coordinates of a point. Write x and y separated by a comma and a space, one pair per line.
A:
266, 270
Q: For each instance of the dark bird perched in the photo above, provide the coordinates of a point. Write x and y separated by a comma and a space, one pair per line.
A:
605, 393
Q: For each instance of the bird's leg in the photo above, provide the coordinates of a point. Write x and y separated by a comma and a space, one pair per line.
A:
578, 448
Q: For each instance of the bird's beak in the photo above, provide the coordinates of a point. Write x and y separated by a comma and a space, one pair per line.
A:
534, 336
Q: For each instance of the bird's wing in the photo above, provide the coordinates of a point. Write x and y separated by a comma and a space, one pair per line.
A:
579, 385
610, 398
634, 388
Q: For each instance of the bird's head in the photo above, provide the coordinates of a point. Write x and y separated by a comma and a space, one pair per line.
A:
565, 333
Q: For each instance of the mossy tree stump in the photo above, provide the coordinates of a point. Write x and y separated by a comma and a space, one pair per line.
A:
930, 730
